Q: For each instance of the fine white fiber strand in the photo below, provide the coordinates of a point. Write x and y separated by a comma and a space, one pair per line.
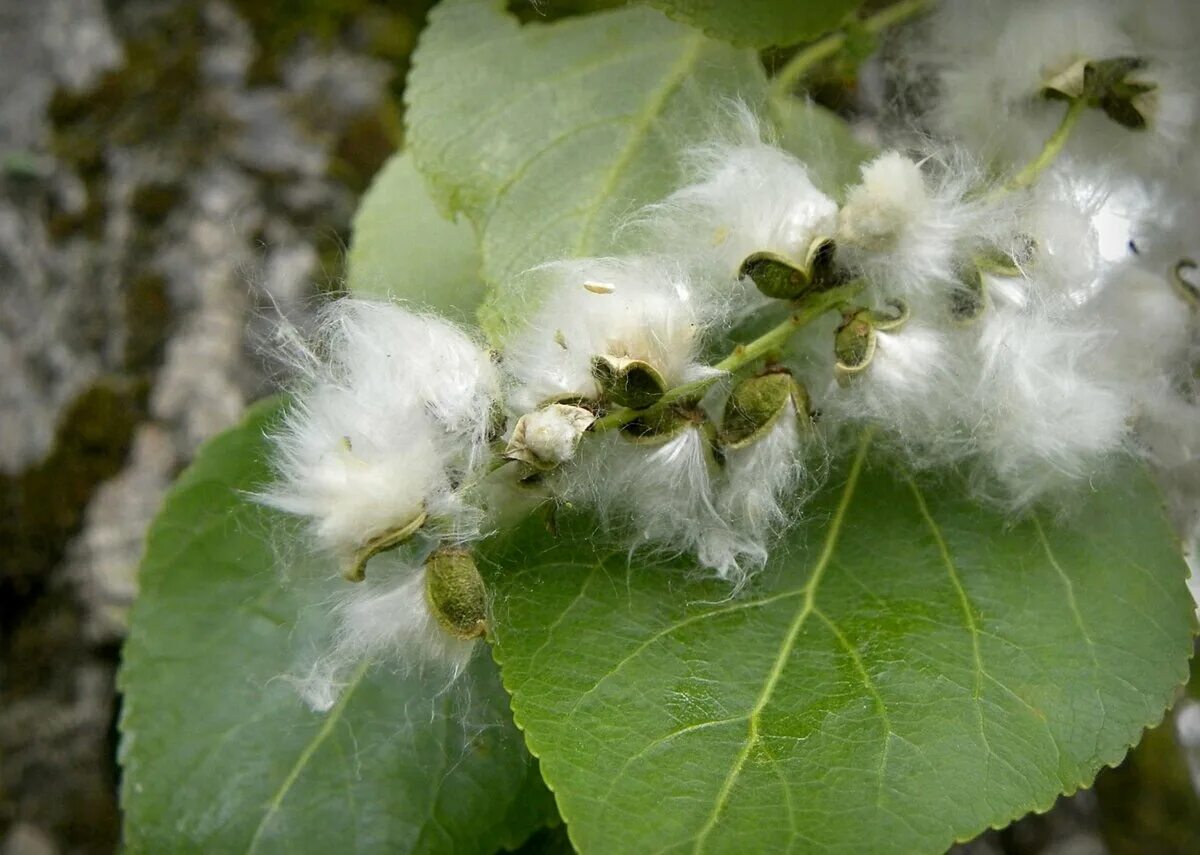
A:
744, 196
907, 227
1060, 217
912, 391
1046, 418
659, 497
1152, 334
354, 471
759, 495
385, 352
388, 623
389, 414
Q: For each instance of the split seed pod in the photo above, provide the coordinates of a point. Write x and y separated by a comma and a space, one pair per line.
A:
756, 405
968, 301
661, 425
355, 570
1109, 85
628, 382
855, 340
1185, 287
780, 278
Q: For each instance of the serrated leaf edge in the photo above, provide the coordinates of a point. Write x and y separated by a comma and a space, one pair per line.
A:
1166, 701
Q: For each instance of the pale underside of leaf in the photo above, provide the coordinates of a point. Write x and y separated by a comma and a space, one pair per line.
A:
911, 670
823, 141
760, 23
404, 249
548, 135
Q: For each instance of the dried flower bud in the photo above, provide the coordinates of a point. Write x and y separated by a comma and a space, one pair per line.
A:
456, 594
548, 437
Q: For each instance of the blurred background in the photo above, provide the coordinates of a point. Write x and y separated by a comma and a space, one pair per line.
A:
171, 171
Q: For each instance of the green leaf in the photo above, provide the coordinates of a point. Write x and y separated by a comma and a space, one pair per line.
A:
403, 247
909, 670
761, 23
220, 754
546, 135
823, 140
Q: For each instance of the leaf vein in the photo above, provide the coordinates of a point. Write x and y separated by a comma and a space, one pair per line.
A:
789, 642
306, 755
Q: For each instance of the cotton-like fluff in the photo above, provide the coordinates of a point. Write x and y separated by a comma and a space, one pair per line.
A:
745, 197
761, 488
386, 353
355, 471
641, 308
388, 419
993, 61
1045, 417
1152, 329
912, 390
1064, 259
660, 497
386, 622
907, 233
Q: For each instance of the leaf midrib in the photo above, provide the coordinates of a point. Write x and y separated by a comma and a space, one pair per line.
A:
789, 643
639, 124
306, 755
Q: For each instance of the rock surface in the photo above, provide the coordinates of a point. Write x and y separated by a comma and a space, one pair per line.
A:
173, 174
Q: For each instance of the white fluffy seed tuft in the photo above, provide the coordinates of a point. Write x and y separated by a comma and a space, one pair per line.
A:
385, 623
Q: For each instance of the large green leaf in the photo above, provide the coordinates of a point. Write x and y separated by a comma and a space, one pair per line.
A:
403, 247
219, 753
546, 135
909, 670
761, 23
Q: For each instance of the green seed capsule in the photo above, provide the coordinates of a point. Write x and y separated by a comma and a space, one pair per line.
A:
628, 382
775, 276
757, 403
782, 279
854, 345
660, 425
456, 593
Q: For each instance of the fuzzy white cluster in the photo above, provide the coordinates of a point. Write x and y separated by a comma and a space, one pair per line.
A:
388, 621
994, 60
666, 492
642, 308
388, 429
1091, 347
963, 319
749, 197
